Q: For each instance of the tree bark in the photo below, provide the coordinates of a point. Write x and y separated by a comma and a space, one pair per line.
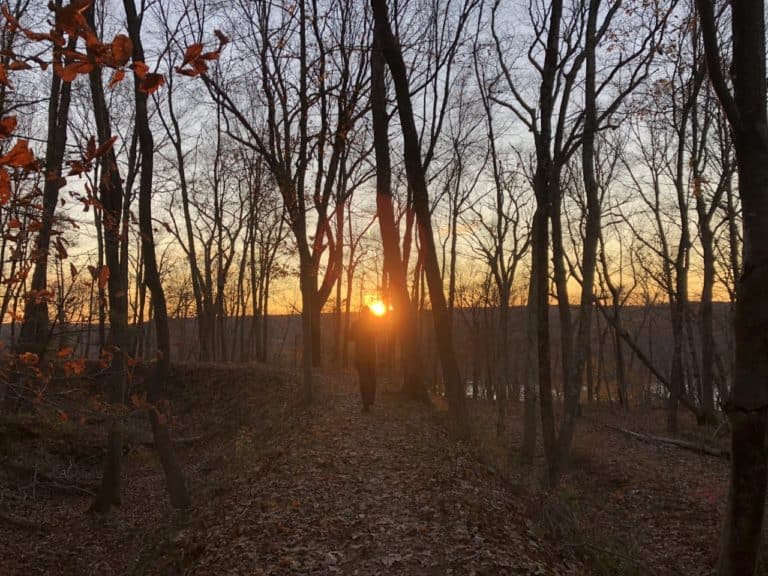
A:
174, 477
413, 384
418, 183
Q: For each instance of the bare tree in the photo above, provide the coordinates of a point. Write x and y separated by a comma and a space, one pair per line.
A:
745, 107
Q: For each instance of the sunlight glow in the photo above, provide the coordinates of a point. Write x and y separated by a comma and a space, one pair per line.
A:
378, 308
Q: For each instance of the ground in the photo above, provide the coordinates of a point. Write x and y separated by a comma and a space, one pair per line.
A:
279, 489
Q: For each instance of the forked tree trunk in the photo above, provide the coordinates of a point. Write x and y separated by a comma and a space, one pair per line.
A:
418, 183
174, 477
413, 384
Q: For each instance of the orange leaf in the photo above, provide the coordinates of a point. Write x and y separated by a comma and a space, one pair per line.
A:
4, 76
122, 48
103, 276
19, 65
200, 66
11, 19
192, 53
151, 83
5, 187
140, 69
117, 77
66, 73
14, 223
29, 358
71, 18
64, 352
7, 126
20, 156
104, 148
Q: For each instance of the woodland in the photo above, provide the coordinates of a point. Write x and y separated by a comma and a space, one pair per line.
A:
557, 211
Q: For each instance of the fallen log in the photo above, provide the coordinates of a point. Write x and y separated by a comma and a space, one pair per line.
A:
684, 444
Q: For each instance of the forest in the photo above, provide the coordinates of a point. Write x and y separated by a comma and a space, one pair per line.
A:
531, 236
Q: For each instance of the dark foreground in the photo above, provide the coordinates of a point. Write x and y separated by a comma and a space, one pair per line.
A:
281, 490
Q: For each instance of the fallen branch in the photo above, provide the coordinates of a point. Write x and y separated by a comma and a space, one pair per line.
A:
43, 480
177, 441
624, 335
19, 522
692, 446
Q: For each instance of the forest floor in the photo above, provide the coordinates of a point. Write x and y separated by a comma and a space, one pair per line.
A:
278, 489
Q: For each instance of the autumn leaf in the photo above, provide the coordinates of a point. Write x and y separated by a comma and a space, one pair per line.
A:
19, 65
12, 23
122, 48
74, 367
103, 277
20, 156
5, 187
69, 72
66, 73
4, 76
104, 148
29, 358
117, 77
223, 39
192, 53
55, 39
140, 69
64, 352
151, 83
71, 18
7, 126
14, 223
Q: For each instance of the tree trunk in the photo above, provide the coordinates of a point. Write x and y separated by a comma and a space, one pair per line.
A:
418, 183
413, 384
34, 333
175, 484
111, 197
529, 385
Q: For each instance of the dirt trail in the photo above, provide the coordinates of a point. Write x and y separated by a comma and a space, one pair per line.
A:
378, 493
277, 489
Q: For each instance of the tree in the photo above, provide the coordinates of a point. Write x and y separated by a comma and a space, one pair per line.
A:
34, 332
144, 84
744, 104
418, 184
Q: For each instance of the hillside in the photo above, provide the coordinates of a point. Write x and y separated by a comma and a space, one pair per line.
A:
281, 490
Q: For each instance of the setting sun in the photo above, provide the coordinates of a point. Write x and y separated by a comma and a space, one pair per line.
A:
378, 308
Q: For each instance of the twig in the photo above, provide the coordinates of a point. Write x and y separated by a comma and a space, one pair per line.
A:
692, 446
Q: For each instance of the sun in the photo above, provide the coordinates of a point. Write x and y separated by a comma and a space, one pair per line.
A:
378, 308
